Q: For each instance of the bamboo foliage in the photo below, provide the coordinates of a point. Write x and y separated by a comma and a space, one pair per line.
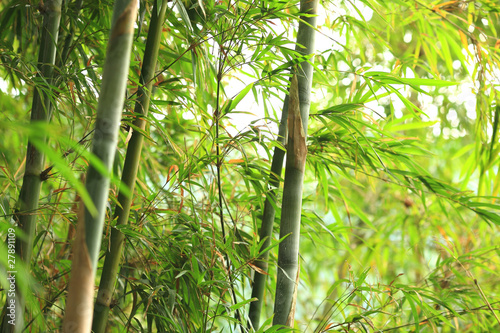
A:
35, 159
401, 139
104, 142
132, 159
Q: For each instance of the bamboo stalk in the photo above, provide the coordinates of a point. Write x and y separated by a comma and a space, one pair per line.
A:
113, 256
109, 112
298, 113
266, 229
290, 211
35, 159
305, 37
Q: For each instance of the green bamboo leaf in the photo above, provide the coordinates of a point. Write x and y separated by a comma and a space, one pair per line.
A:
488, 216
390, 78
446, 54
342, 108
241, 304
232, 103
495, 130
465, 149
166, 103
429, 82
184, 14
324, 181
412, 125
409, 105
411, 300
62, 166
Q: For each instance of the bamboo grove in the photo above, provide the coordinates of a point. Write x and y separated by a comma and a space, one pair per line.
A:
249, 166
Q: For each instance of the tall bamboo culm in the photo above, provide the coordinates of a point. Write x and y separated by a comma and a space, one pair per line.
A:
266, 229
132, 158
35, 159
298, 114
305, 37
78, 316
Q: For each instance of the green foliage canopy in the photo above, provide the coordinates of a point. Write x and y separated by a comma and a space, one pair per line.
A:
400, 209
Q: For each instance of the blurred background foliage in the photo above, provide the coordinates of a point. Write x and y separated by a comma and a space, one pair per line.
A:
400, 211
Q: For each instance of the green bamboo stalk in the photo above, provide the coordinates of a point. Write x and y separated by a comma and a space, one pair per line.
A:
305, 37
266, 229
35, 159
290, 212
132, 158
109, 112
298, 114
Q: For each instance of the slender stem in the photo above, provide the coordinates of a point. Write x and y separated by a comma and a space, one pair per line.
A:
35, 159
109, 112
305, 37
266, 229
108, 119
288, 265
298, 114
131, 166
219, 186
